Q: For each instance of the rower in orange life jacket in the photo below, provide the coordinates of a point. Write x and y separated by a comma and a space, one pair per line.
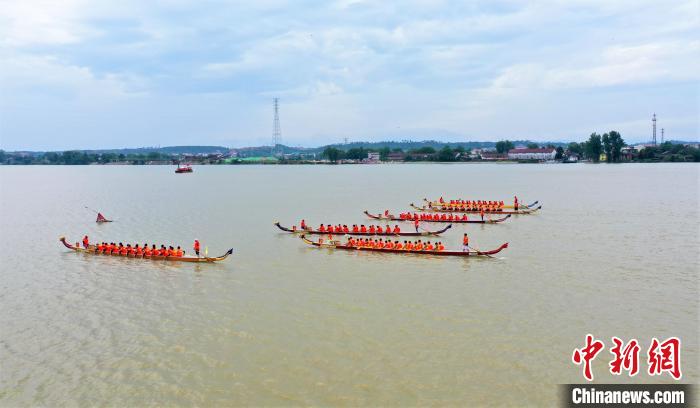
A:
465, 243
481, 212
415, 224
196, 246
379, 229
515, 202
355, 228
303, 224
372, 229
86, 241
397, 230
363, 229
321, 228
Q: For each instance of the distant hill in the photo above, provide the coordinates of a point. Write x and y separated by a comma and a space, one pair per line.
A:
261, 151
413, 145
165, 150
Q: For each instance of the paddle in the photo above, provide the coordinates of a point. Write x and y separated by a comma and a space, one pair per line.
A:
478, 252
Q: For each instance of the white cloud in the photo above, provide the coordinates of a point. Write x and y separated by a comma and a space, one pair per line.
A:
660, 62
467, 68
41, 22
50, 76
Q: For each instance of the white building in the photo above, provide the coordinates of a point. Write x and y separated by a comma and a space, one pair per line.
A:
373, 157
532, 154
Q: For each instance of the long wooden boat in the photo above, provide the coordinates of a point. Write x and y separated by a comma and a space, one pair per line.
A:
392, 217
188, 258
337, 245
367, 234
436, 209
508, 206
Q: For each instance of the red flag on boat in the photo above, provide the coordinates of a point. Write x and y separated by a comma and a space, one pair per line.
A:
101, 218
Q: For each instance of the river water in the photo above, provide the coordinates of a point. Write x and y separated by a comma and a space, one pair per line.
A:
614, 252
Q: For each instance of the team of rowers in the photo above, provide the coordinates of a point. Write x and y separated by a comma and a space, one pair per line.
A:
137, 250
355, 229
475, 205
434, 216
415, 246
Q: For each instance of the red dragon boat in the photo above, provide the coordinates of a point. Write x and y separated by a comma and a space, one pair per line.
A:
430, 208
392, 217
92, 251
452, 202
338, 245
367, 234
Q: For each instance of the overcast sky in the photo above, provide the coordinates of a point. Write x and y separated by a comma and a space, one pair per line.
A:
130, 73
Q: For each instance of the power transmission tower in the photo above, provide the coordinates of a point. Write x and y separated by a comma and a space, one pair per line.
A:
276, 129
662, 135
653, 130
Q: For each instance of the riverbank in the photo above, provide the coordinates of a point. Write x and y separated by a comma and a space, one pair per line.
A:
282, 324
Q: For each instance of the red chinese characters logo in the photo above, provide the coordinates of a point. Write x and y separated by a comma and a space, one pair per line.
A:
665, 357
662, 357
626, 357
587, 354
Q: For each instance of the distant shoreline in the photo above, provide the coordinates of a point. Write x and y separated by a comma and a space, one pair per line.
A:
473, 162
597, 149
